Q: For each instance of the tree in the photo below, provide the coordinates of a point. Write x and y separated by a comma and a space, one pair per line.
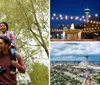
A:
41, 75
28, 19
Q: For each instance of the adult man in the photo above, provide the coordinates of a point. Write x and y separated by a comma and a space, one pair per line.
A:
6, 78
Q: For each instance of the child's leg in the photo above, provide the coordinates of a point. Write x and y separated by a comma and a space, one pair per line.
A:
13, 55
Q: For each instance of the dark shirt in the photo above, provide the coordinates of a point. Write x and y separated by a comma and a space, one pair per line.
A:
5, 62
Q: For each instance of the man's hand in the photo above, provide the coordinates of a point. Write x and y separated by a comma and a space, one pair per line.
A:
15, 63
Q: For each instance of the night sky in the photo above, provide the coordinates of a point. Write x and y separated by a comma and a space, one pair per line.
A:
72, 8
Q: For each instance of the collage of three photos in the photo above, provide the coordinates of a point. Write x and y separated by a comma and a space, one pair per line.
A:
49, 42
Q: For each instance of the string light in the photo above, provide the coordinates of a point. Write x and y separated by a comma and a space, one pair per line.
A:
54, 14
56, 18
80, 19
76, 18
97, 22
52, 18
61, 18
71, 17
66, 17
96, 15
63, 25
83, 17
89, 16
60, 15
83, 30
84, 20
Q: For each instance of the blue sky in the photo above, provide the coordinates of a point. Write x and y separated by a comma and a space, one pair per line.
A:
72, 8
74, 51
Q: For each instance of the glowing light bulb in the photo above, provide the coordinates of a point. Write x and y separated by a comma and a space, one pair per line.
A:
96, 15
52, 18
84, 20
54, 14
76, 18
83, 17
71, 17
56, 18
60, 15
80, 19
66, 17
61, 18
89, 16
91, 21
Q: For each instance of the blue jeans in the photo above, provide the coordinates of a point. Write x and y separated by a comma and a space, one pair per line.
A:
13, 53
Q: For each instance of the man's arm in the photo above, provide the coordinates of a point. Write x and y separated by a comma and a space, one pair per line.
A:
19, 63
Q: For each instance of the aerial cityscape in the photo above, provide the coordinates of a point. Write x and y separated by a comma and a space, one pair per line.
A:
75, 63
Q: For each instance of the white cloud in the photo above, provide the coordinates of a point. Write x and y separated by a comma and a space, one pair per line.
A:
68, 58
75, 48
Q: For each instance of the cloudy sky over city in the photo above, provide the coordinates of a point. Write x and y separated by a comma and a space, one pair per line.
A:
74, 51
